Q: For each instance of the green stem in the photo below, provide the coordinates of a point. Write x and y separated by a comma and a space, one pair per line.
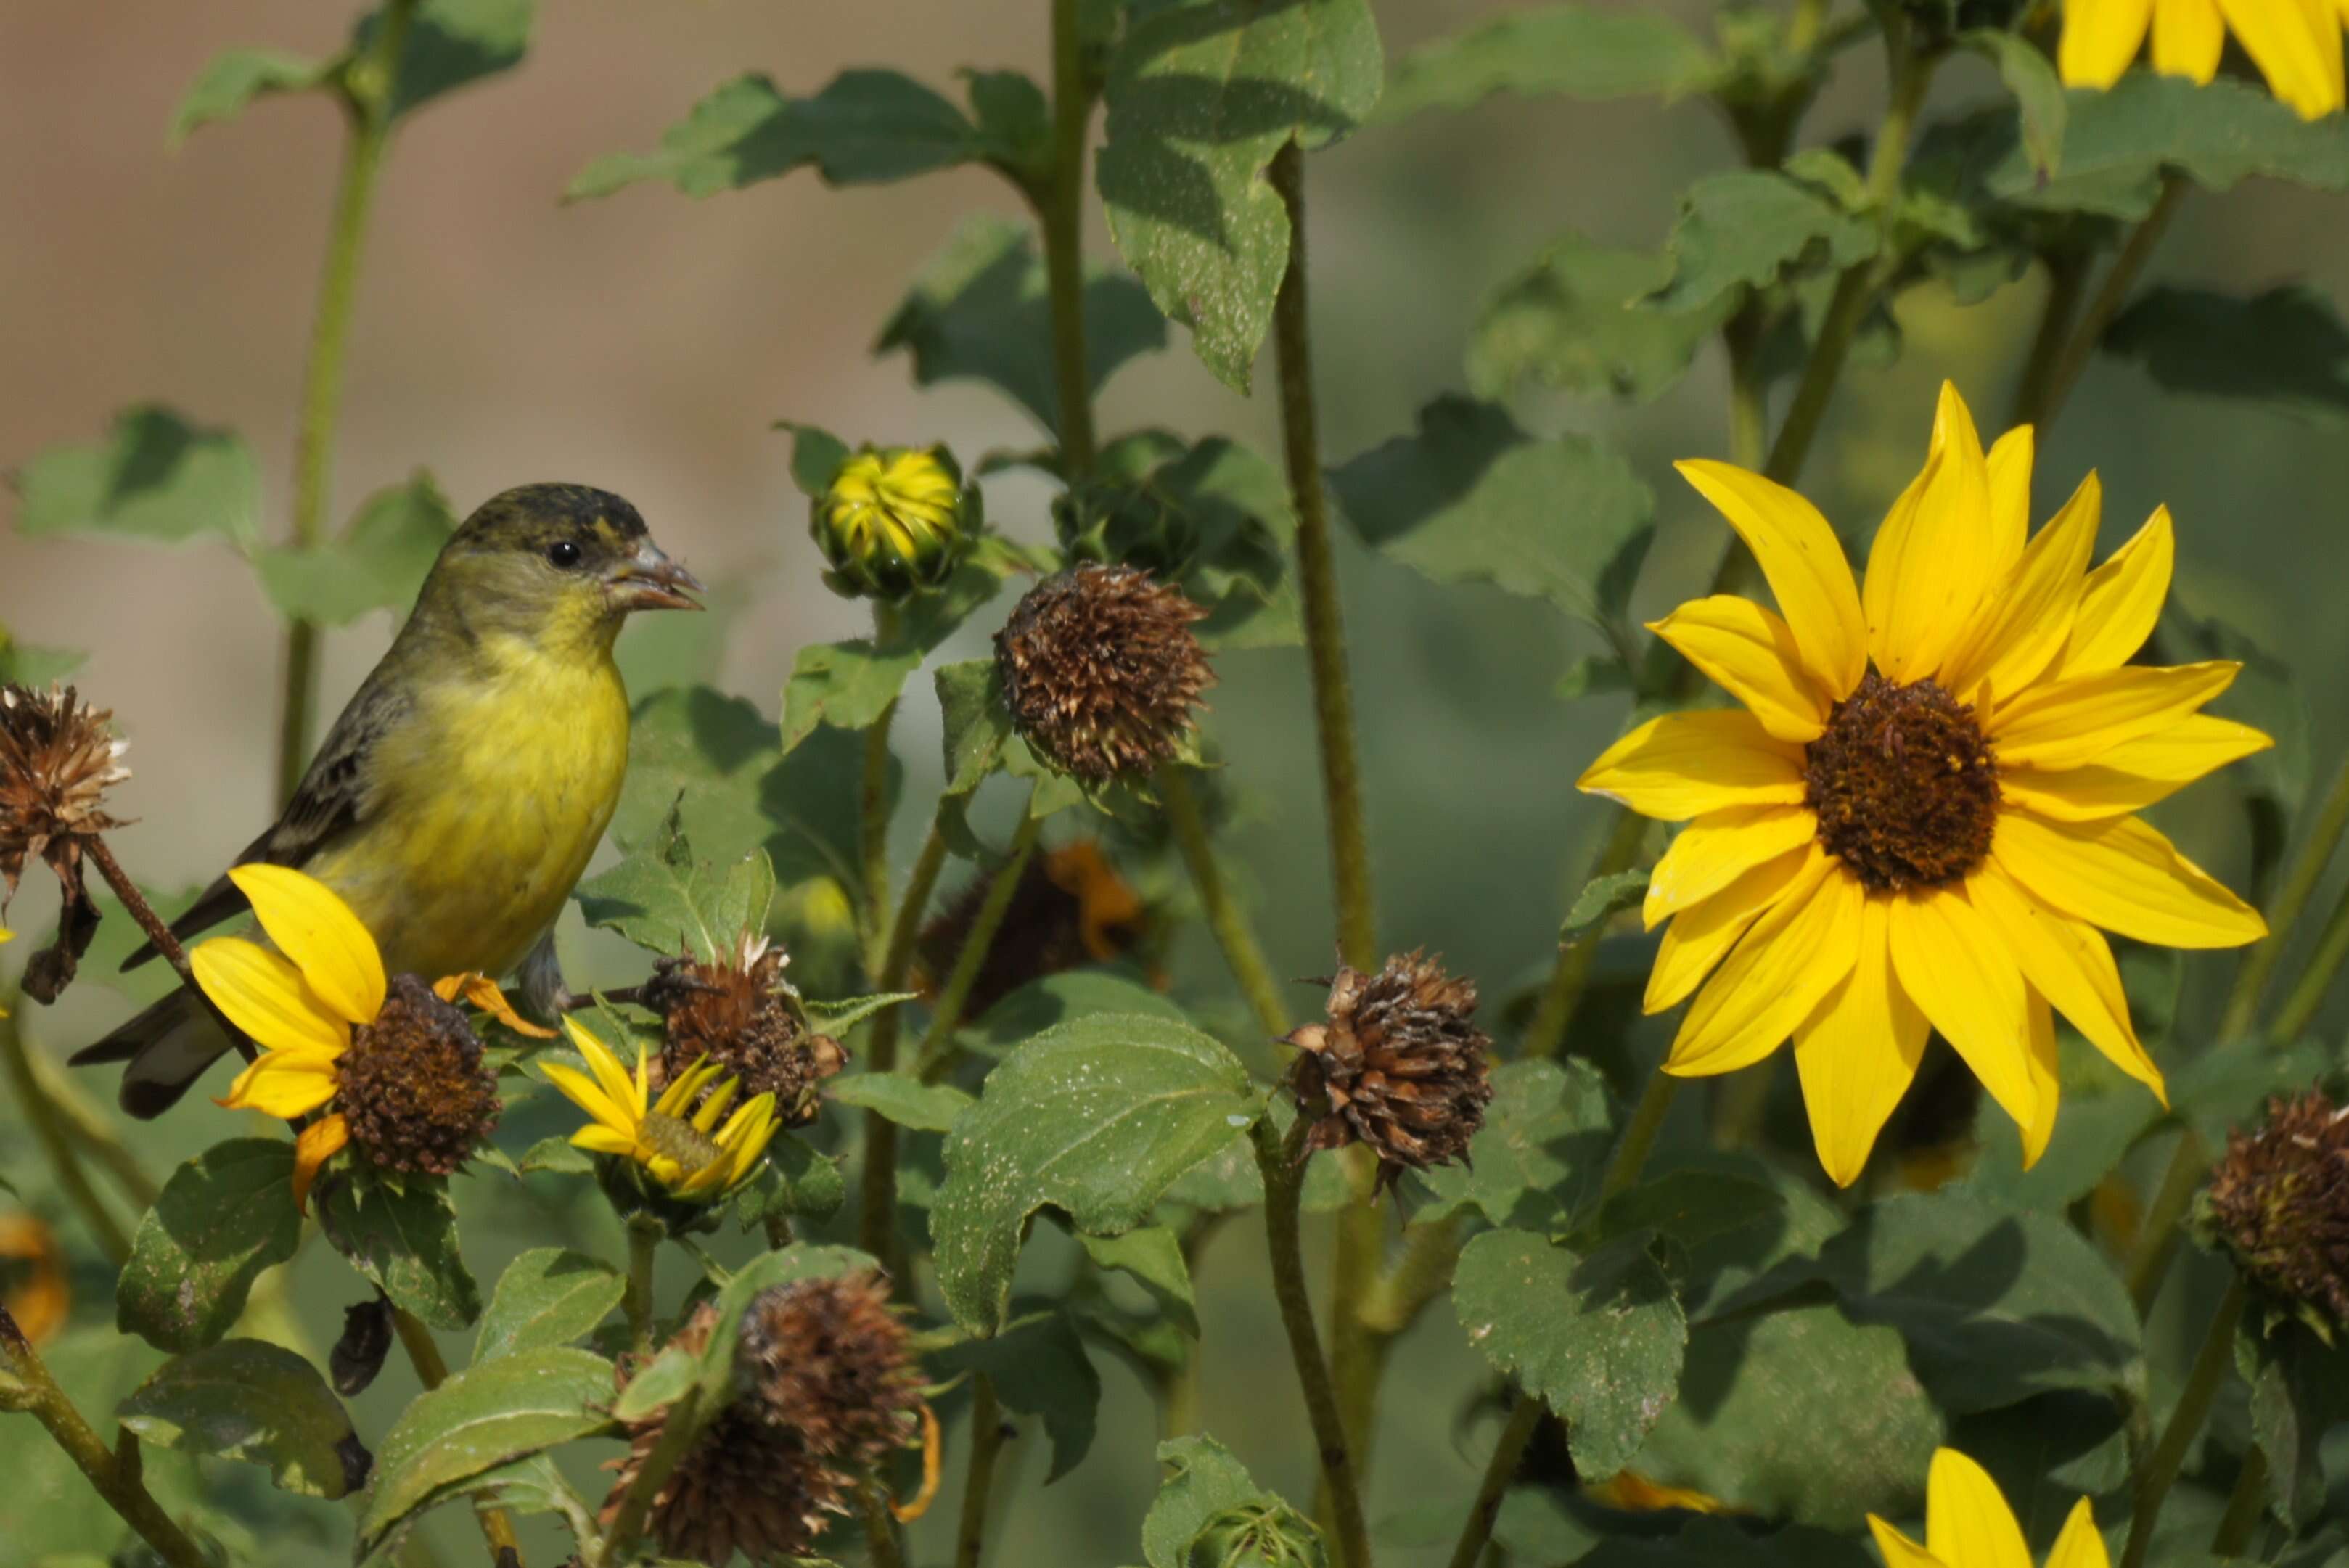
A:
979, 1482
1749, 390
2301, 1005
1316, 576
2067, 284
2158, 1237
87, 1126
637, 1303
881, 1549
877, 1198
1418, 1278
1524, 1416
114, 1475
2245, 1505
2290, 901
369, 91
1064, 268
1546, 1033
2211, 1365
2126, 268
1639, 1139
1283, 1167
48, 1129
1226, 919
433, 1371
937, 1041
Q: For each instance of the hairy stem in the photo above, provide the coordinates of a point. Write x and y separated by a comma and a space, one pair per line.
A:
1524, 1416
2126, 268
2245, 1505
1639, 1139
431, 1370
1233, 932
2156, 1239
2307, 995
872, 843
1064, 270
937, 1041
48, 1129
979, 1482
2067, 285
877, 1197
637, 1301
2290, 901
2211, 1365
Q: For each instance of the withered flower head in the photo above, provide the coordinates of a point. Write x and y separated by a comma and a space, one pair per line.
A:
414, 1089
828, 1359
1399, 1066
1100, 670
2280, 1202
743, 1016
57, 759
1069, 908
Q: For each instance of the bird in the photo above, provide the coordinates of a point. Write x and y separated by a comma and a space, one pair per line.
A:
458, 798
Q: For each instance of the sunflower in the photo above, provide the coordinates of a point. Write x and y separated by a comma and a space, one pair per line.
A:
1968, 1524
1924, 812
691, 1155
2296, 44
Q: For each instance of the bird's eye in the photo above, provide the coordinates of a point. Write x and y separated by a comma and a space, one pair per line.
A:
564, 553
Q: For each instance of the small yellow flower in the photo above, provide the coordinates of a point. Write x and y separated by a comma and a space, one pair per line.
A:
1925, 810
1969, 1525
2296, 44
692, 1156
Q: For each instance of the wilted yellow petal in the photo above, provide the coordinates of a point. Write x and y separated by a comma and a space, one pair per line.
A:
1749, 654
1935, 559
480, 991
2100, 38
1715, 850
2081, 1545
284, 1084
313, 926
2189, 35
1803, 561
1957, 968
2135, 774
1686, 764
2024, 625
264, 994
1793, 956
1857, 1053
2125, 876
1699, 937
1966, 1523
319, 1142
2122, 600
2069, 962
2070, 722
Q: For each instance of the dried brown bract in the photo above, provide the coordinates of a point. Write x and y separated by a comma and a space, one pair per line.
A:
743, 1015
414, 1087
1101, 671
2279, 1202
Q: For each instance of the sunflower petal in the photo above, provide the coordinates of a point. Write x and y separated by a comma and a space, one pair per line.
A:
481, 992
2122, 600
1699, 937
1935, 559
597, 1139
588, 1096
1955, 965
1749, 653
2069, 962
2009, 468
2125, 876
319, 1142
2026, 623
2189, 35
264, 994
1899, 1552
1793, 956
313, 926
1686, 764
1803, 561
2045, 1083
1967, 1522
2295, 47
2100, 38
2081, 1545
2071, 722
2134, 774
622, 1092
284, 1084
1857, 1053
1715, 850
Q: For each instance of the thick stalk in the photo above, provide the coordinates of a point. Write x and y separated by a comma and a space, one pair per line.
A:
2156, 1238
1639, 1139
431, 1370
1524, 1417
877, 1211
49, 1130
873, 844
937, 1041
2245, 1505
115, 1475
881, 1546
1316, 577
1283, 1167
979, 1482
2067, 284
369, 89
637, 1301
1749, 392
1064, 216
2211, 1365
2126, 268
1226, 919
2291, 902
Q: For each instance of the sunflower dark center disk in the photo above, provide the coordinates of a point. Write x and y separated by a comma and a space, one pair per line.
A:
1904, 784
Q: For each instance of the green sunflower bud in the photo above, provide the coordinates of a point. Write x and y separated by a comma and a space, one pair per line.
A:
895, 521
1264, 1534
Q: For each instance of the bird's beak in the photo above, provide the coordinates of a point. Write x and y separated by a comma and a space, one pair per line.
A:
650, 580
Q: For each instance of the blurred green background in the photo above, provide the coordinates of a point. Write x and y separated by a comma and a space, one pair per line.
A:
646, 344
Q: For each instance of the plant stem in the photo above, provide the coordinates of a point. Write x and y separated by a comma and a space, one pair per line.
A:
370, 89
2245, 1505
1282, 1165
2158, 1236
431, 1370
1547, 1032
877, 1198
637, 1301
144, 914
2126, 268
1226, 919
2067, 283
1316, 577
1418, 1278
1749, 393
114, 1475
1524, 1416
2301, 1005
679, 1428
881, 1548
945, 1016
979, 1482
1064, 211
49, 1128
89, 1128
2211, 1365
1639, 1139
2290, 901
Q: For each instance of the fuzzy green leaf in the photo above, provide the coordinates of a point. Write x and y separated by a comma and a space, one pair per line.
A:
2285, 348
1039, 1368
974, 722
839, 1018
154, 477
664, 900
235, 78
902, 1098
848, 685
453, 44
1601, 900
1540, 1153
1589, 52
2039, 100
1153, 1257
377, 563
25, 666
1581, 319
404, 1238
1743, 227
549, 1296
223, 1218
2118, 143
2300, 1392
249, 1401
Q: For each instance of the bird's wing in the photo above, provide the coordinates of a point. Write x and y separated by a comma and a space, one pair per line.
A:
331, 801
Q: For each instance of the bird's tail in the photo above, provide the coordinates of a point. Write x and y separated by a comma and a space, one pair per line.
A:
168, 1048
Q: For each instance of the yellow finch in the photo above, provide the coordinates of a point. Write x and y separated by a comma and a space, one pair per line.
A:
457, 800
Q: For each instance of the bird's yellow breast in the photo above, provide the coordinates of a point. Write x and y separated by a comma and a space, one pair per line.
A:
482, 810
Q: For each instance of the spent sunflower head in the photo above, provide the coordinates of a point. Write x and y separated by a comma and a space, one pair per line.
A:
1101, 671
741, 1016
400, 1067
683, 1140
894, 520
1069, 908
58, 760
1924, 810
2279, 1203
1968, 1524
2296, 44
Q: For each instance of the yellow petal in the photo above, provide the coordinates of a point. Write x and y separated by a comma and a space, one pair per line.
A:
2100, 38
624, 1095
2122, 600
2135, 774
2027, 621
2009, 467
1899, 1552
604, 1139
1793, 956
2297, 49
1686, 764
1803, 561
480, 991
314, 928
2189, 35
1751, 654
1956, 967
2081, 1545
582, 1092
2069, 962
264, 994
1966, 1523
1698, 938
1935, 559
284, 1084
714, 1105
1857, 1053
2070, 722
2125, 876
2041, 1059
319, 1142
1714, 850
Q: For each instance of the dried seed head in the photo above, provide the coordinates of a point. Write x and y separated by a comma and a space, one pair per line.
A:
57, 759
413, 1086
2280, 1202
895, 519
1904, 784
827, 1359
1101, 671
1399, 1066
1069, 908
743, 1015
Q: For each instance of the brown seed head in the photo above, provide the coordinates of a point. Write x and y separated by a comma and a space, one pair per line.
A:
1904, 784
1100, 670
745, 1017
414, 1087
827, 1359
2280, 1202
1069, 908
1399, 1066
57, 759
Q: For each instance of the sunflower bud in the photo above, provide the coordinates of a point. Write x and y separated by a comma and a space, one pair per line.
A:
57, 759
2278, 1202
1069, 908
414, 1087
895, 521
743, 1016
1269, 1534
827, 1359
1399, 1066
1101, 671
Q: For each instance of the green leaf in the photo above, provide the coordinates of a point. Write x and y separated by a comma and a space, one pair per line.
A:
558, 1155
1199, 100
483, 1417
2285, 348
453, 44
1472, 498
234, 79
1601, 900
1205, 1481
1597, 674
1577, 51
901, 1098
664, 900
1540, 1153
1039, 1368
1599, 1339
816, 458
839, 1018
154, 477
1056, 999
2300, 1392
259, 1403
1153, 1257
1743, 227
806, 1185
22, 665
404, 1238
978, 311
973, 720
1093, 1118
549, 1296
1580, 319
222, 1218
848, 685
2030, 77
671, 1375
1692, 1207
378, 563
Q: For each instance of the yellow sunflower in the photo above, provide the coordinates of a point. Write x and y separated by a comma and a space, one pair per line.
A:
1968, 1524
2296, 44
1923, 813
691, 1156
